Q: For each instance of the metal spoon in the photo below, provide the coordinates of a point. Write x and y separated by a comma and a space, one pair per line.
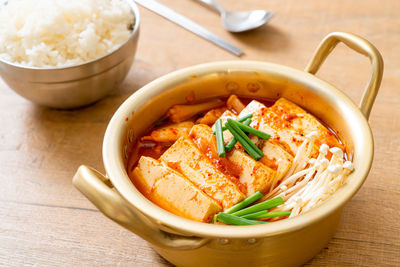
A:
240, 21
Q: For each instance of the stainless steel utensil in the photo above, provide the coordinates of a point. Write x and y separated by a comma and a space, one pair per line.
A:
240, 21
188, 24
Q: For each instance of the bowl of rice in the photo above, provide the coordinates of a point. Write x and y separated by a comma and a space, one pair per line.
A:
67, 53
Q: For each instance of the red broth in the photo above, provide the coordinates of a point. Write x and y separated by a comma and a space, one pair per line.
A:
155, 150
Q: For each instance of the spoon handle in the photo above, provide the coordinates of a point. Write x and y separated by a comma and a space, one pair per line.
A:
214, 5
188, 24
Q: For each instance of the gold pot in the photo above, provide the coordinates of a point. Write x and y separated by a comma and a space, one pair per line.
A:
188, 243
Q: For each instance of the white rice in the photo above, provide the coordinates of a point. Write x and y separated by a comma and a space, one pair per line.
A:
49, 33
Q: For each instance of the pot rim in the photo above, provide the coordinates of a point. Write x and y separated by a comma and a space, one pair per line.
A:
116, 171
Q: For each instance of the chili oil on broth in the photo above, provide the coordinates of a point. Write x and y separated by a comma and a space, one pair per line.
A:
153, 149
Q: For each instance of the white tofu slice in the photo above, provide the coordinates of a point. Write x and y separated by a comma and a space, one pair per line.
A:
172, 191
277, 158
291, 123
254, 175
276, 152
253, 107
257, 109
185, 157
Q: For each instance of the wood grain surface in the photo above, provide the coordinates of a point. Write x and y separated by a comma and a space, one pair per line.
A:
45, 221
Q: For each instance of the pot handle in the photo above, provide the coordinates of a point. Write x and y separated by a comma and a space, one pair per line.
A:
98, 189
363, 47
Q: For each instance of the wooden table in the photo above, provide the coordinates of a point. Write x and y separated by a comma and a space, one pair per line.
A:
44, 221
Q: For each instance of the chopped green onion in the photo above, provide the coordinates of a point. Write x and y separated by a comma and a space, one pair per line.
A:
247, 122
234, 220
242, 134
246, 144
249, 116
265, 214
245, 202
251, 130
244, 140
231, 144
268, 204
242, 119
220, 139
233, 141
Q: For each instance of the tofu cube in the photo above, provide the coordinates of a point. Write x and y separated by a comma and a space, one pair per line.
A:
186, 158
254, 175
172, 191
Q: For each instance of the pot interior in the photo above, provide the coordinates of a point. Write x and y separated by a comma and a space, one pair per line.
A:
247, 84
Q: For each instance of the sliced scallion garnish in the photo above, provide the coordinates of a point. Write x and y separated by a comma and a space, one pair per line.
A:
268, 204
252, 131
244, 140
249, 116
245, 202
234, 220
265, 214
220, 139
233, 141
244, 118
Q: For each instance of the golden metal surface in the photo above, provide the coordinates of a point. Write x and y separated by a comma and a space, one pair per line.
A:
74, 86
220, 245
98, 189
363, 47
